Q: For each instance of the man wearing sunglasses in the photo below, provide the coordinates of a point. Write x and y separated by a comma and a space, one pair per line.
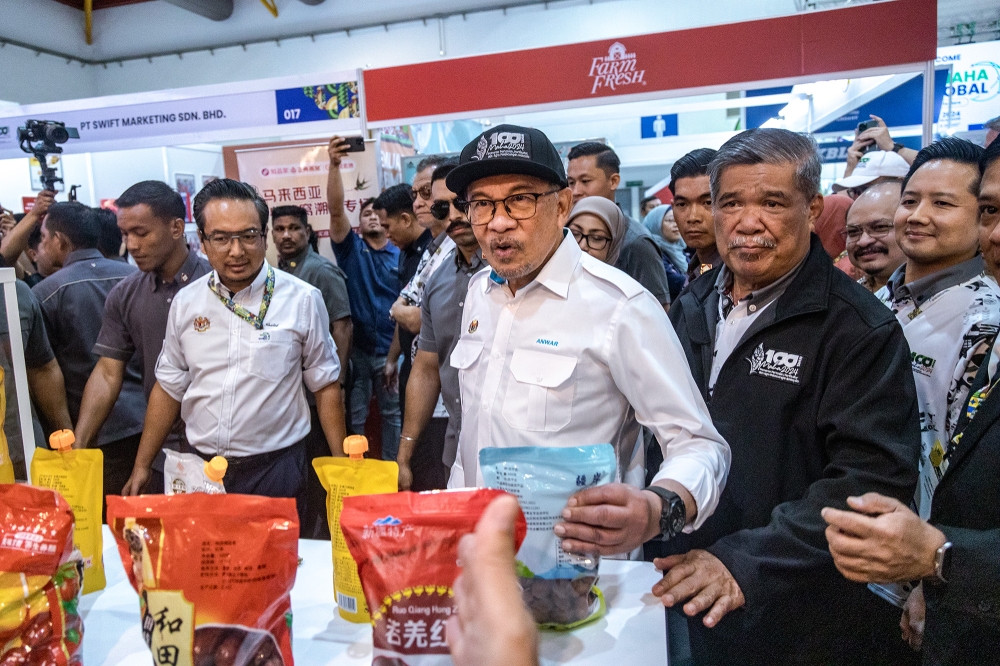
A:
871, 241
428, 442
556, 350
240, 342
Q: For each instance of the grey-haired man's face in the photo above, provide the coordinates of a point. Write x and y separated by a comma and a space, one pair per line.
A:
762, 221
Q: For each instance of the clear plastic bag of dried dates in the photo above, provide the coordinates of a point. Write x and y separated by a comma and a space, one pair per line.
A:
559, 588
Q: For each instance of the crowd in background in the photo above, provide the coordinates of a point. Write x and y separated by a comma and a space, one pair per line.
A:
839, 349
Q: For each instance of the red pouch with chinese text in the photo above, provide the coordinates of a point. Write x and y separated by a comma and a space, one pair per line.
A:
40, 579
213, 573
406, 548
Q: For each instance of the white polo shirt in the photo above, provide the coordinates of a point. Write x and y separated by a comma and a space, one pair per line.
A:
240, 388
581, 356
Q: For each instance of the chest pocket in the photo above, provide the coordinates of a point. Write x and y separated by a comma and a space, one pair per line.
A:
540, 391
272, 354
463, 358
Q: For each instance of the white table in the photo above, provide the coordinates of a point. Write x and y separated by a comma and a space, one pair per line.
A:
632, 632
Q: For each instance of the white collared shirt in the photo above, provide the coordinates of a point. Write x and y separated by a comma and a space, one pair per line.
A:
582, 356
240, 388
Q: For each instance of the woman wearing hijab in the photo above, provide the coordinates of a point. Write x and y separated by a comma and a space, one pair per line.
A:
660, 224
599, 226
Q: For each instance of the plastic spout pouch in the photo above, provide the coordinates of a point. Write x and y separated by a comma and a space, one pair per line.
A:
40, 576
188, 473
213, 575
406, 547
348, 477
559, 588
77, 475
6, 464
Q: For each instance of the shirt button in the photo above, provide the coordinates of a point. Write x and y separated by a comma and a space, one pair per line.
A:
752, 308
486, 406
985, 606
461, 304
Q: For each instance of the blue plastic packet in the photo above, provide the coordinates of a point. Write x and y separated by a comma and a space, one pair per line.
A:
558, 587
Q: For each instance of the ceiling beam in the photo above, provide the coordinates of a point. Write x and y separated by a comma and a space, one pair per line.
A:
217, 10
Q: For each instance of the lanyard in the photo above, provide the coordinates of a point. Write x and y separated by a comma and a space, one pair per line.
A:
255, 320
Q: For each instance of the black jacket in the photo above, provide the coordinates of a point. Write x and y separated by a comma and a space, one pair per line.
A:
963, 616
817, 403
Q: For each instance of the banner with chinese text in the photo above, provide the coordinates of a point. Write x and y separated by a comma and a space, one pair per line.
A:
296, 176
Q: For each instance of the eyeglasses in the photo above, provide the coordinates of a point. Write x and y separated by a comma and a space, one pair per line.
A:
424, 193
248, 238
873, 229
518, 207
594, 241
440, 209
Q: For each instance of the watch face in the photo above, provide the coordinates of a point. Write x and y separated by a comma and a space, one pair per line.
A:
677, 516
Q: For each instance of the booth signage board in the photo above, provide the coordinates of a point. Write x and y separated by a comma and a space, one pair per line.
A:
296, 176
972, 95
192, 116
809, 44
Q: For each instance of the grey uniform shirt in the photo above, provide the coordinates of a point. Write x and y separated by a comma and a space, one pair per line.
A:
641, 261
73, 303
37, 352
135, 323
440, 328
325, 276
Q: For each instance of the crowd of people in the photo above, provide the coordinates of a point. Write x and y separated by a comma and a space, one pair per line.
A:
797, 387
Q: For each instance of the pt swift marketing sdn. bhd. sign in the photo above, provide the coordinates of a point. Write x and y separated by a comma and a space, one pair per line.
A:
190, 116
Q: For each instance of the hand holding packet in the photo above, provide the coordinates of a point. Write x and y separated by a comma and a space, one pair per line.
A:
559, 587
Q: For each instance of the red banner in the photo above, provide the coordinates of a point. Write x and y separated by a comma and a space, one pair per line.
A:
807, 44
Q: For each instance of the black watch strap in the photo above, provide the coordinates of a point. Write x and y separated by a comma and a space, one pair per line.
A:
673, 513
896, 147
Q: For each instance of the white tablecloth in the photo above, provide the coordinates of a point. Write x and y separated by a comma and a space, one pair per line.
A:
632, 632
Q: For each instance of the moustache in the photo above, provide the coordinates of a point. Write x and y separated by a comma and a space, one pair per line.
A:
456, 225
875, 249
757, 241
506, 242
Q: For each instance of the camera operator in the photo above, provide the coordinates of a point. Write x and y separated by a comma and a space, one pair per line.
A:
16, 241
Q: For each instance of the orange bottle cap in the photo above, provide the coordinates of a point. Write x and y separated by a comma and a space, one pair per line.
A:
355, 446
62, 440
216, 468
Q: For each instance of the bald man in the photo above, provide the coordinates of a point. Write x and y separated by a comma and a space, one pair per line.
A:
871, 243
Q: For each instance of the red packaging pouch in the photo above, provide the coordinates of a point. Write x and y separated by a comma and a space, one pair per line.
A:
40, 579
406, 548
213, 573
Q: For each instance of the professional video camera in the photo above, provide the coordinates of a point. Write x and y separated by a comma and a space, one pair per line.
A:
41, 139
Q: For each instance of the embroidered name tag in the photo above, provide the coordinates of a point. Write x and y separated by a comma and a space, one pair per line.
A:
774, 364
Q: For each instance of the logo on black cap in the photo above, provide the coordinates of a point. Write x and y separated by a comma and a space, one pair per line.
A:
502, 144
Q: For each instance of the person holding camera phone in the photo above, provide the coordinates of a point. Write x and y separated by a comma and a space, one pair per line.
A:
874, 135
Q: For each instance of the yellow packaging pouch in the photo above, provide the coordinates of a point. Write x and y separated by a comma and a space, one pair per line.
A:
6, 465
347, 477
77, 475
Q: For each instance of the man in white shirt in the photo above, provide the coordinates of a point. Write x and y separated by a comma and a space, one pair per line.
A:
240, 342
559, 349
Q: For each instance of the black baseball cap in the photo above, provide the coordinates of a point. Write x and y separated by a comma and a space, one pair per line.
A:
507, 149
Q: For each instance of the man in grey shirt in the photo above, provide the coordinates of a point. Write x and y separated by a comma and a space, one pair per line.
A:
421, 467
45, 378
72, 300
593, 172
291, 232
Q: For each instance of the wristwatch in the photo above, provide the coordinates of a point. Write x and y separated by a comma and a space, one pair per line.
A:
673, 513
896, 147
942, 562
